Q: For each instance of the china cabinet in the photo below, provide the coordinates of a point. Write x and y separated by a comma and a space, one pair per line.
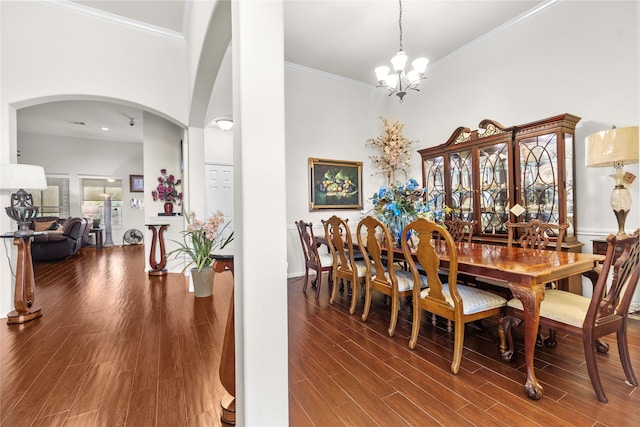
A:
497, 174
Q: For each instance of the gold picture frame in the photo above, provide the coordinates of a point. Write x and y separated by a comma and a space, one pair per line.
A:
335, 184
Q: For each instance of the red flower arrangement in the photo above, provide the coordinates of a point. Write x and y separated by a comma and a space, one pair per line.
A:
166, 189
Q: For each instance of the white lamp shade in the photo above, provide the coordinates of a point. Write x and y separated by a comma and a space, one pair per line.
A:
16, 176
90, 209
381, 73
392, 80
611, 146
413, 76
420, 65
399, 61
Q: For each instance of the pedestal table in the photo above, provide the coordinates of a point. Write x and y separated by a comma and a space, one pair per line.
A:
24, 295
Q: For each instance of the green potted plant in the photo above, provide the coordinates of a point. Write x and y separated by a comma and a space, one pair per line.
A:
200, 239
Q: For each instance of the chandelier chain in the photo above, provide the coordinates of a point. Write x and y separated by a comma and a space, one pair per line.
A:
397, 81
400, 23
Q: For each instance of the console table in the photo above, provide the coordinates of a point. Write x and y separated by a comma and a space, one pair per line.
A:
157, 267
599, 247
24, 295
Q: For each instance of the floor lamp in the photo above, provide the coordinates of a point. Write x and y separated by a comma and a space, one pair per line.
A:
615, 147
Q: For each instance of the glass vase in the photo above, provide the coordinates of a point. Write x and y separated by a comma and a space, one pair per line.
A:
168, 209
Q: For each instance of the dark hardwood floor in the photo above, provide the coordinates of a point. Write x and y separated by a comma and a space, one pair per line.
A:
117, 348
343, 371
114, 347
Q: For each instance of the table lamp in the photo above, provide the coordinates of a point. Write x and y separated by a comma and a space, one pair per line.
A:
615, 147
19, 176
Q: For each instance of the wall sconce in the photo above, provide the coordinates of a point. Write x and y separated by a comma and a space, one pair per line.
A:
19, 176
615, 147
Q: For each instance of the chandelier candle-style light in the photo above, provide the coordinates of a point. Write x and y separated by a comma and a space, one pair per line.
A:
399, 82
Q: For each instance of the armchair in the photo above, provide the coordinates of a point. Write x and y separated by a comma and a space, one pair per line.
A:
604, 313
55, 246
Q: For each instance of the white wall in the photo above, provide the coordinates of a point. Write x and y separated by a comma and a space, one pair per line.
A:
326, 118
87, 157
218, 145
48, 53
161, 151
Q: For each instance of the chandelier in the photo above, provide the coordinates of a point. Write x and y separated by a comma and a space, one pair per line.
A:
399, 82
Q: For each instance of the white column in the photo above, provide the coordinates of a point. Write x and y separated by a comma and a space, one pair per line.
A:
193, 186
260, 213
108, 242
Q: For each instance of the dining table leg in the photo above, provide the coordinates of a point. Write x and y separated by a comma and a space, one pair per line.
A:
530, 296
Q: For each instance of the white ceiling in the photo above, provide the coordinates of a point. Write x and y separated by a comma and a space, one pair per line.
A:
348, 38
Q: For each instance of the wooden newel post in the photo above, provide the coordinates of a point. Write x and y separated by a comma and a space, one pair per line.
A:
227, 370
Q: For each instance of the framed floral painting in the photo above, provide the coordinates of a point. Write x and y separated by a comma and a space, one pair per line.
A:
335, 184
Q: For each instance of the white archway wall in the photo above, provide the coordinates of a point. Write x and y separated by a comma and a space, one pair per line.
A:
49, 54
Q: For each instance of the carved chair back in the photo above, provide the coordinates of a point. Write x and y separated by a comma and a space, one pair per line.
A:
615, 301
536, 234
445, 300
345, 267
313, 259
308, 241
460, 230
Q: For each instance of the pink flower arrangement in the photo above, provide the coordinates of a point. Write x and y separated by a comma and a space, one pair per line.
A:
166, 189
201, 238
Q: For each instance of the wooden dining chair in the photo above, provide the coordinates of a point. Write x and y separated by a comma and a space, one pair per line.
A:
345, 265
604, 313
460, 230
381, 274
536, 234
533, 234
450, 300
313, 259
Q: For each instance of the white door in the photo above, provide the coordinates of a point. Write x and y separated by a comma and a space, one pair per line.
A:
219, 194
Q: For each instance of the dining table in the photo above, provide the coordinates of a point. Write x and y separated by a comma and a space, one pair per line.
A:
526, 272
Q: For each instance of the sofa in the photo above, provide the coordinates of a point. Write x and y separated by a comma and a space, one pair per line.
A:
58, 243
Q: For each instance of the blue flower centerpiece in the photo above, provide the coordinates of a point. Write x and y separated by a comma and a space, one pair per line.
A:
399, 204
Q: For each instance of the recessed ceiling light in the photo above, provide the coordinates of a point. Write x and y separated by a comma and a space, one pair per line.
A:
104, 128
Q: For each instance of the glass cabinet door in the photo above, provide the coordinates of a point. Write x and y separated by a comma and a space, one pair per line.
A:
539, 189
568, 177
462, 184
433, 173
494, 188
488, 174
